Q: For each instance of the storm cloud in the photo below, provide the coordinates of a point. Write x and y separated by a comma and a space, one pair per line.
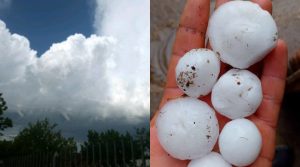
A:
96, 82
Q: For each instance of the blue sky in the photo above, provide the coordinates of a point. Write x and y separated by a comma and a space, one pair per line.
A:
45, 22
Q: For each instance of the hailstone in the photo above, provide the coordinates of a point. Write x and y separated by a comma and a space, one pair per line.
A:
187, 128
240, 142
197, 72
212, 159
237, 94
242, 33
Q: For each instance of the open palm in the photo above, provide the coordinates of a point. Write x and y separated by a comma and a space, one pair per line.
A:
272, 72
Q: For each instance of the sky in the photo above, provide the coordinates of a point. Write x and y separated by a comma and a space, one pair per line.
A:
45, 22
84, 64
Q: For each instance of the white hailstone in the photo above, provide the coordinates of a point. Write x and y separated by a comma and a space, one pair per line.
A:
242, 33
212, 159
240, 142
197, 72
187, 128
237, 94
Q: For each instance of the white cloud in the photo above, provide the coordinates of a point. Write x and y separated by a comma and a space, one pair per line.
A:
101, 77
129, 22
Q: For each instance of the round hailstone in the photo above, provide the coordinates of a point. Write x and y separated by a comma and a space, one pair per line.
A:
187, 128
242, 33
212, 159
197, 72
237, 94
240, 142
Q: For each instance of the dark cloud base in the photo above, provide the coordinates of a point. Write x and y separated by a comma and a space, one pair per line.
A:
76, 127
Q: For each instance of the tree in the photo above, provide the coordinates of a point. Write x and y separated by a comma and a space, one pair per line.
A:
6, 149
117, 147
42, 137
143, 139
104, 144
4, 121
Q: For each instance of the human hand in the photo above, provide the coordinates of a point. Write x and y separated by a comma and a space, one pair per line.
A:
272, 72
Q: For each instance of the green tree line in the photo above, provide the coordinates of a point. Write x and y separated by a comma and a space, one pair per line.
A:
43, 137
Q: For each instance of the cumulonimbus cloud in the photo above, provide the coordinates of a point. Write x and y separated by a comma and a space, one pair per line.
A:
102, 76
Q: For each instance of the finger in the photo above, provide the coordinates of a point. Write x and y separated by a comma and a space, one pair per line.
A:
220, 2
169, 93
190, 34
268, 135
260, 161
265, 4
171, 90
273, 84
